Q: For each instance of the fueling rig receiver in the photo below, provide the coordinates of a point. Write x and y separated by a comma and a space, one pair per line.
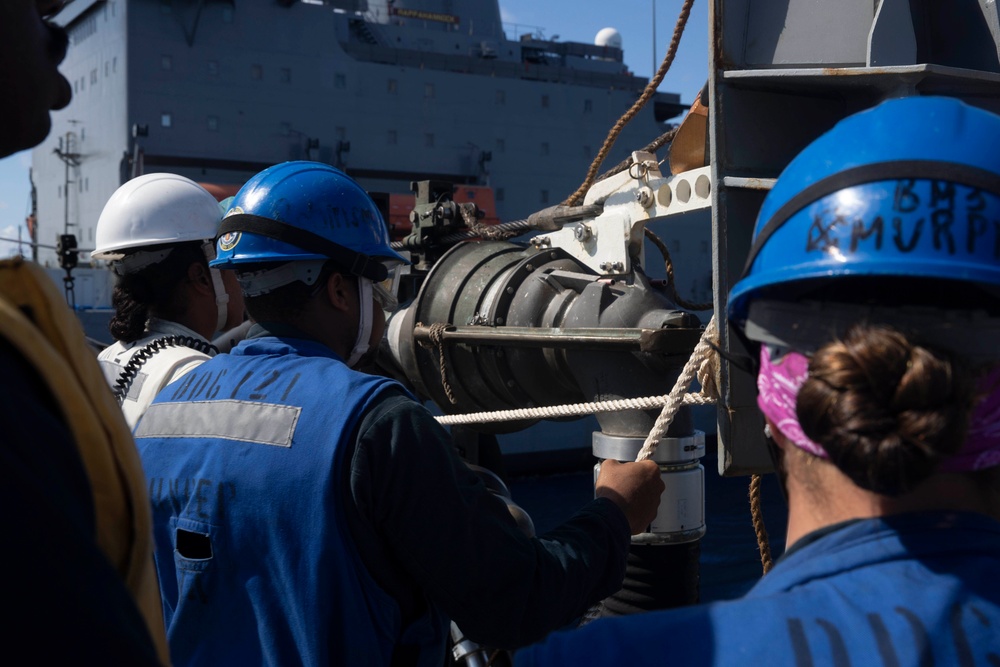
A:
570, 317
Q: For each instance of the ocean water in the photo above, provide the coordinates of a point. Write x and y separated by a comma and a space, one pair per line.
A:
730, 560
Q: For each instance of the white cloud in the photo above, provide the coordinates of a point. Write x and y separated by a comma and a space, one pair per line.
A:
506, 16
9, 248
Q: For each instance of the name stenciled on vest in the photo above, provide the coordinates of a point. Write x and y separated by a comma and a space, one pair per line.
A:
937, 216
252, 385
203, 499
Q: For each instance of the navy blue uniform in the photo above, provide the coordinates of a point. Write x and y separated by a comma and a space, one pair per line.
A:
307, 513
908, 590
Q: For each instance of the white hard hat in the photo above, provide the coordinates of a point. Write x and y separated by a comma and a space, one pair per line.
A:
155, 209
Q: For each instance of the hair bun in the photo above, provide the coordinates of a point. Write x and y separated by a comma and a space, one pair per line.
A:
886, 409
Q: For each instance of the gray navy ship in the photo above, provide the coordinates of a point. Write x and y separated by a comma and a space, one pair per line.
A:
390, 91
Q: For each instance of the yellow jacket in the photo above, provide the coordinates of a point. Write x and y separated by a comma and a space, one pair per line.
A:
35, 320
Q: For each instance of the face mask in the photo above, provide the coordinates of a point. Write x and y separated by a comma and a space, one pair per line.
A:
221, 296
362, 343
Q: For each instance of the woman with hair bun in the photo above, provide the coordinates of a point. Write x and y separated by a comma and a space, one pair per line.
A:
872, 300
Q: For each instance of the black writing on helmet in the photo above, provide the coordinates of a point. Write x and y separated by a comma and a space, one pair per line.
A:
930, 216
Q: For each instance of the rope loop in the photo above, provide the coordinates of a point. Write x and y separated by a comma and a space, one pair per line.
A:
436, 334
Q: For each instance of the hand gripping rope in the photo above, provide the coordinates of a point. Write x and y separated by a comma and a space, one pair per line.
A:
703, 364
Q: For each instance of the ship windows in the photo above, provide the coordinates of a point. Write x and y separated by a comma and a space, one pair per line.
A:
340, 81
501, 97
213, 123
545, 148
588, 106
166, 63
256, 72
392, 86
545, 101
428, 90
83, 29
93, 76
544, 196
428, 140
166, 120
393, 138
285, 75
213, 68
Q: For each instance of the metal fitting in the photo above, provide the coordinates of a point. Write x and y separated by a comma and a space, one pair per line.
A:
681, 514
644, 196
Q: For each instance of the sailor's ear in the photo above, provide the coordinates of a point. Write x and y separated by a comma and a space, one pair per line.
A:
198, 276
341, 291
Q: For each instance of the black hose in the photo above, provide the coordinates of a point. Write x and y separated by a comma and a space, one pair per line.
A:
131, 370
656, 577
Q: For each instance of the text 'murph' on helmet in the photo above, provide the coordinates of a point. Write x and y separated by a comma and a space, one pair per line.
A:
894, 210
303, 213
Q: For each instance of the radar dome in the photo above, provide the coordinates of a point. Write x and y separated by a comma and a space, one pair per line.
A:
609, 37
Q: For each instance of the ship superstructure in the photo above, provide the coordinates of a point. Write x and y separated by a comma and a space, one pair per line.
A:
391, 91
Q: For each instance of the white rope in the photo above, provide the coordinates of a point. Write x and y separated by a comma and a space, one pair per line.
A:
669, 402
572, 410
701, 355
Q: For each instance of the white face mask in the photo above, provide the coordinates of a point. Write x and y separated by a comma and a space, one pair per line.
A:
221, 296
366, 318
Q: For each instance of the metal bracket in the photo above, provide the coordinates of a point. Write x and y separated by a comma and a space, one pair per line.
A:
606, 243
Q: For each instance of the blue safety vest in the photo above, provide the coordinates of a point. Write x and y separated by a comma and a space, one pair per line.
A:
245, 462
905, 591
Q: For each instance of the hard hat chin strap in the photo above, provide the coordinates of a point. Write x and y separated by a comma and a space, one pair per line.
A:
363, 342
221, 297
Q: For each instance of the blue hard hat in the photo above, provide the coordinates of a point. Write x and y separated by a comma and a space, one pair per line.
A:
226, 204
299, 211
910, 189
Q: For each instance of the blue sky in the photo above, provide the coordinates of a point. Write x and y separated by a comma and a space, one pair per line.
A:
570, 20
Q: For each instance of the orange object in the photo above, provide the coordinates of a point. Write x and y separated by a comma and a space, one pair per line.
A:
400, 206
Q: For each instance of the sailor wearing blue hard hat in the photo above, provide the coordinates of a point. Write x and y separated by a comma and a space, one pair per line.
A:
872, 293
307, 513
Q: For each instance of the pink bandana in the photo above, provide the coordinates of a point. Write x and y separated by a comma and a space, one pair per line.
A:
982, 444
778, 385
